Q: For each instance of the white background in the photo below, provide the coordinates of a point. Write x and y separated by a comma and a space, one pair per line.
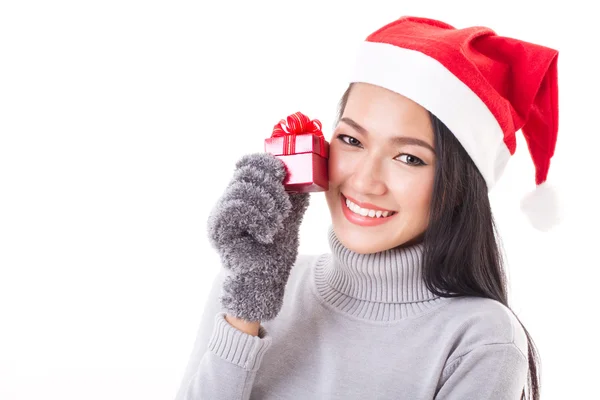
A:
121, 122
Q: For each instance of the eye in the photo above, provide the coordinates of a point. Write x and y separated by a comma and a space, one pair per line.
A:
412, 160
351, 141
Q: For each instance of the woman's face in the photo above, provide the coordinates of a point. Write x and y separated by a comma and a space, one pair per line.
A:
379, 154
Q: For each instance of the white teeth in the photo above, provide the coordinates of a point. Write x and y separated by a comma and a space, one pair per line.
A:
366, 212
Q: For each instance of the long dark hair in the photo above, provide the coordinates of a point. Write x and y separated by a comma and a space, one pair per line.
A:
461, 244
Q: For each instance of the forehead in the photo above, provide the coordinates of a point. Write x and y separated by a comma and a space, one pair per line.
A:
383, 112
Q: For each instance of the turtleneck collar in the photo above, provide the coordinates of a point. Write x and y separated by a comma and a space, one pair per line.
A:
382, 286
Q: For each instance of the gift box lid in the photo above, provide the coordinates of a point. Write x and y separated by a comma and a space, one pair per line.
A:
297, 134
297, 144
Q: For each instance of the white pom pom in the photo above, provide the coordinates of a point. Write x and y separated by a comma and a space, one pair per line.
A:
542, 207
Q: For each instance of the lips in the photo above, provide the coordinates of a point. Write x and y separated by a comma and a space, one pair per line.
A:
362, 220
366, 205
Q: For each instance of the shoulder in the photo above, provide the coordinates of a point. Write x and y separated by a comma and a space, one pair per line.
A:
308, 260
481, 322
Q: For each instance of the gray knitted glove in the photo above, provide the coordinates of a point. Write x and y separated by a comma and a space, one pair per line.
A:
254, 227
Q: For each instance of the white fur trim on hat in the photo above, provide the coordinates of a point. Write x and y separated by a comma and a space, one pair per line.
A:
427, 82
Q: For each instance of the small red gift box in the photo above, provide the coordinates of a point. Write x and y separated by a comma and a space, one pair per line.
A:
300, 144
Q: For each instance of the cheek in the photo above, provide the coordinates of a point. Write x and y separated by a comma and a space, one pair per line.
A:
414, 193
338, 166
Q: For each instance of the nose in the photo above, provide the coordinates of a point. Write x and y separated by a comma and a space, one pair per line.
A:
367, 177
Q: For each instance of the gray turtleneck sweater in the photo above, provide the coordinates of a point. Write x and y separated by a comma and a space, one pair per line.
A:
360, 326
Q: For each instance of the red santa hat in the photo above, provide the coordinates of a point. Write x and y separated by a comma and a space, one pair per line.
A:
482, 86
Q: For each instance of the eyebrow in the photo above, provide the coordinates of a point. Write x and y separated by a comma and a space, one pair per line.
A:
395, 140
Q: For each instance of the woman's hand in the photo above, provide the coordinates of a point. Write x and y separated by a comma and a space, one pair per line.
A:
254, 227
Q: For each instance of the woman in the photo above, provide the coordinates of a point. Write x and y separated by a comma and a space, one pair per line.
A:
411, 303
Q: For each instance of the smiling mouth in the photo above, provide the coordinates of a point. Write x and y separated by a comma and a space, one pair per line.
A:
366, 212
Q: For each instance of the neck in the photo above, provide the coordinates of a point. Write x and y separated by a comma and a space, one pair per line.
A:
385, 285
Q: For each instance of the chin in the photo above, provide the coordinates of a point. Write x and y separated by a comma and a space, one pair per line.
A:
363, 242
365, 249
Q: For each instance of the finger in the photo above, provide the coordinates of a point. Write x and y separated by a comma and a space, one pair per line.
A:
234, 218
299, 204
265, 182
266, 162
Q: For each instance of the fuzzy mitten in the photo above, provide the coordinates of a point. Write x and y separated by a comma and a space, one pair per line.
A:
254, 227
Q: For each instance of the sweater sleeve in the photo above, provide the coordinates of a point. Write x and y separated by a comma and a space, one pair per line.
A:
491, 372
224, 360
228, 367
